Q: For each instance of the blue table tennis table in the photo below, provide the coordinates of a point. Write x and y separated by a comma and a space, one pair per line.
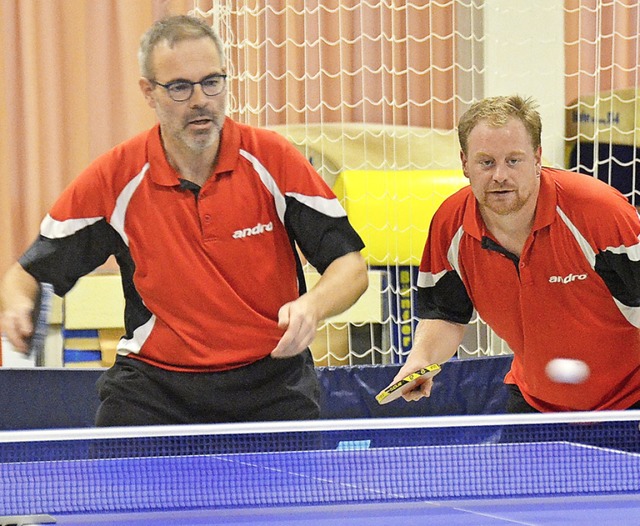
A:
447, 473
566, 511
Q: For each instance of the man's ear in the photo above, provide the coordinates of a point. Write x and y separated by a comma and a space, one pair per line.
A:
538, 160
146, 87
463, 160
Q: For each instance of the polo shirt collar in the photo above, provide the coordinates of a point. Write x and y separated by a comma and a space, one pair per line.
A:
229, 147
164, 174
473, 224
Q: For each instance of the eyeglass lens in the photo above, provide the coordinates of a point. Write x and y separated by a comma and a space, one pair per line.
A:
182, 90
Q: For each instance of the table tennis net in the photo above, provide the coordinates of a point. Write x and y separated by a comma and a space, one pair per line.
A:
326, 462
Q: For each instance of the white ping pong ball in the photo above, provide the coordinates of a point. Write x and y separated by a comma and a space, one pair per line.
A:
567, 371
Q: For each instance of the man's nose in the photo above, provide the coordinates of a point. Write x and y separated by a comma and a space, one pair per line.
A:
197, 97
500, 173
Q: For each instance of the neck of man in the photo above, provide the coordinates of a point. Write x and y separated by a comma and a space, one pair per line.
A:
511, 230
193, 165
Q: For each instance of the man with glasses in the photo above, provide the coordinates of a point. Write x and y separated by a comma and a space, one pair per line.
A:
205, 217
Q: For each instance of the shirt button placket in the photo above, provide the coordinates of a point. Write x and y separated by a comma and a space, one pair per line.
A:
525, 273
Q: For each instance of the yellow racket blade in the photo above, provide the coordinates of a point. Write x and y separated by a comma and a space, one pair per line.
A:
394, 391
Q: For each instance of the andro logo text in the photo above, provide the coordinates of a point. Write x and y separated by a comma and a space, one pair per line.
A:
567, 279
253, 231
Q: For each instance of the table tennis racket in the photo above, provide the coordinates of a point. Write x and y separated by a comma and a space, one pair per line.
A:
395, 390
40, 320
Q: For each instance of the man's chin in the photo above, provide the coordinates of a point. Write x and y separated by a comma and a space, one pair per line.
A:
504, 210
201, 141
503, 207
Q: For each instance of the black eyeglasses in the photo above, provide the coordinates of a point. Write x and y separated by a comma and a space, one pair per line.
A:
181, 90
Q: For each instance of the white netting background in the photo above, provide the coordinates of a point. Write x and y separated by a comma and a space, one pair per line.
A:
371, 90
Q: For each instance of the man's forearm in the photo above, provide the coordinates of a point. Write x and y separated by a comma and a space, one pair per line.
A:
436, 341
340, 286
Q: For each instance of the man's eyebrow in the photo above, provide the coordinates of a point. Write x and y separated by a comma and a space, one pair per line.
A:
214, 74
482, 153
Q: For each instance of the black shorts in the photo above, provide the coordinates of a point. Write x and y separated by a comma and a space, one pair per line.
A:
517, 404
135, 393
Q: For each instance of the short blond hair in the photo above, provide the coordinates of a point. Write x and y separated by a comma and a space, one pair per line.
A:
496, 111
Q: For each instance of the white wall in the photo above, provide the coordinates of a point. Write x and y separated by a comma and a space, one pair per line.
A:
524, 54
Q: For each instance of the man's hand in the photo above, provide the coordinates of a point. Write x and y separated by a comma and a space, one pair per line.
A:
301, 324
339, 287
18, 327
435, 341
422, 387
18, 291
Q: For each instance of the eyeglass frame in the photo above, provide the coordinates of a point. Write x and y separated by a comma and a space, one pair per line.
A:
220, 76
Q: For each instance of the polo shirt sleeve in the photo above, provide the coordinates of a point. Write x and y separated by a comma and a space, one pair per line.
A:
441, 291
75, 236
322, 238
617, 260
314, 218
